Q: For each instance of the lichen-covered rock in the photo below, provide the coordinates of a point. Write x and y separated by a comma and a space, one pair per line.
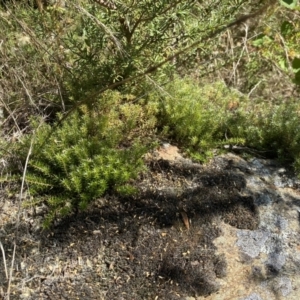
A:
263, 264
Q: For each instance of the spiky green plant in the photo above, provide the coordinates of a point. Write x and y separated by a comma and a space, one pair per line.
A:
203, 117
198, 116
92, 152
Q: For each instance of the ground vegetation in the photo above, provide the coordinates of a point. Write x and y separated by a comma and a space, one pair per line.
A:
88, 88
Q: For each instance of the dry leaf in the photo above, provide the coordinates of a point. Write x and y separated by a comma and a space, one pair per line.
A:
131, 257
111, 266
185, 220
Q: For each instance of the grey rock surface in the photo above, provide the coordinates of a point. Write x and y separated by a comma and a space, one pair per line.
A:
253, 296
263, 264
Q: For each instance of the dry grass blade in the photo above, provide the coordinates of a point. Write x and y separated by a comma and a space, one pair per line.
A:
18, 222
4, 260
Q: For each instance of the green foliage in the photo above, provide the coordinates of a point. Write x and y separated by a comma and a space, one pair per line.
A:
94, 151
279, 47
107, 46
274, 129
67, 55
55, 60
277, 43
289, 3
199, 117
208, 116
296, 69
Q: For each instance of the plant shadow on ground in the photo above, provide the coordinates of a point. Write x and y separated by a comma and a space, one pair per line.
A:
140, 247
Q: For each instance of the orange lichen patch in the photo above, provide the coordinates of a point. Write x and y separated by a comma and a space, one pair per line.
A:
168, 152
233, 105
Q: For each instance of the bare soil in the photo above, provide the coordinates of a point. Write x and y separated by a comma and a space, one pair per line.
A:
155, 245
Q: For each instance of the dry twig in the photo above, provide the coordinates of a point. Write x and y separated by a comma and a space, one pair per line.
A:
18, 221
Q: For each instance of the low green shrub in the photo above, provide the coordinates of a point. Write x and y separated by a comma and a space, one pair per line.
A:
99, 148
198, 117
275, 129
93, 151
203, 118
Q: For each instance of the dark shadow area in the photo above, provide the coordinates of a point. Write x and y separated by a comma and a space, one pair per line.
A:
138, 247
